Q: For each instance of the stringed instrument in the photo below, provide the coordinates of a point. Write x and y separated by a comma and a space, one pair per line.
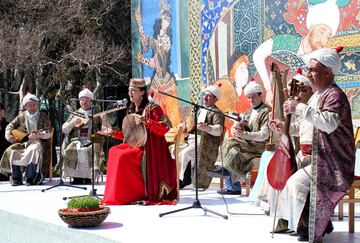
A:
22, 136
85, 119
283, 163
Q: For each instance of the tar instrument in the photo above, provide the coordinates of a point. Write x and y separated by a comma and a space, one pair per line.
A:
85, 119
134, 134
22, 136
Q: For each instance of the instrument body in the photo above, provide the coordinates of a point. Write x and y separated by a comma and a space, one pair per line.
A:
134, 134
22, 136
283, 163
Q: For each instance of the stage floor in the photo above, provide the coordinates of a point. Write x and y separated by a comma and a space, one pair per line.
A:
29, 215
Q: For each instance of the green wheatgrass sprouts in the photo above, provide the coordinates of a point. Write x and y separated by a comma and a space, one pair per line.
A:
84, 202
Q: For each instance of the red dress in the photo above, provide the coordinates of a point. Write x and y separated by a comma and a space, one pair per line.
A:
125, 178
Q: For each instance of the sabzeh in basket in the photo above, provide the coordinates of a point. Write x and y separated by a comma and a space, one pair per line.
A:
84, 212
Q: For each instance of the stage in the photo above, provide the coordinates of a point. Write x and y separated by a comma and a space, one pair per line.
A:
29, 215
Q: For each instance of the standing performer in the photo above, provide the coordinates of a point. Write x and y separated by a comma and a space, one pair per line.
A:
142, 171
333, 150
78, 152
28, 154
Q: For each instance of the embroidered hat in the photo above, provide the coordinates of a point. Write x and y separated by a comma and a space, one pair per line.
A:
329, 57
137, 82
214, 89
252, 87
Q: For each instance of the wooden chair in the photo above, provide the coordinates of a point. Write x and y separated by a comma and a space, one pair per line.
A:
353, 195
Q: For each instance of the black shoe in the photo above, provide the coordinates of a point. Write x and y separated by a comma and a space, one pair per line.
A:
228, 192
329, 228
218, 172
303, 238
295, 233
77, 181
183, 184
17, 182
29, 183
87, 181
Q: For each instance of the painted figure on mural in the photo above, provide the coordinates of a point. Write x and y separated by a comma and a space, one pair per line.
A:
160, 43
320, 29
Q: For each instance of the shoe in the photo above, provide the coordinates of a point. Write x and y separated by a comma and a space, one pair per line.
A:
228, 192
87, 181
29, 183
17, 182
77, 181
281, 227
295, 233
183, 184
218, 172
329, 228
303, 238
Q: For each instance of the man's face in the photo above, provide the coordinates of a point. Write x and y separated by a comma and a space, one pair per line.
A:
209, 99
85, 103
254, 99
304, 94
31, 106
317, 74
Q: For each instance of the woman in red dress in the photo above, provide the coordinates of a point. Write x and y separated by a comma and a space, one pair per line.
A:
146, 173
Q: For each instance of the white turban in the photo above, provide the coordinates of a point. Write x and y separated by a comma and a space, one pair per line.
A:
86, 93
301, 78
328, 57
319, 14
214, 89
29, 97
252, 87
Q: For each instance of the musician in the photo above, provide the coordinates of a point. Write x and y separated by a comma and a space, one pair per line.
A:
210, 133
248, 141
3, 142
26, 154
333, 151
78, 152
146, 173
303, 130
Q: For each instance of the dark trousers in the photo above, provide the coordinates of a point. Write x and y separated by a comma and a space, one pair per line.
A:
30, 172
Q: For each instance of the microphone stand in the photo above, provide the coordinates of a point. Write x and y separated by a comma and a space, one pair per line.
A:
61, 182
196, 202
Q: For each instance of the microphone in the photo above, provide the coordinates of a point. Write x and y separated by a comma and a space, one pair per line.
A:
234, 116
122, 102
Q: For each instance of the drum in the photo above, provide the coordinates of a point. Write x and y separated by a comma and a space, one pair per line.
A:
135, 135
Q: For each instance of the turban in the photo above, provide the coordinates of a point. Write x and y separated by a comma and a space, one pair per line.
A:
328, 57
29, 97
214, 89
86, 93
252, 87
301, 78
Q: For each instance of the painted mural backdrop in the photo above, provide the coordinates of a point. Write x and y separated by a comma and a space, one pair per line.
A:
238, 40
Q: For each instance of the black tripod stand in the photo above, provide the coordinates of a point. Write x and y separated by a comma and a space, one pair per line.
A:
61, 121
196, 203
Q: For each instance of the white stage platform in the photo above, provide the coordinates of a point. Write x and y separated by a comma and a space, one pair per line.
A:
29, 215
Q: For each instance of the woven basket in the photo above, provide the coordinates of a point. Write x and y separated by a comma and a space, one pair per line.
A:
84, 219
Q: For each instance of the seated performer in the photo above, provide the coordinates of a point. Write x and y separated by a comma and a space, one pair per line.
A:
248, 142
28, 154
312, 193
145, 172
210, 130
299, 131
78, 152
